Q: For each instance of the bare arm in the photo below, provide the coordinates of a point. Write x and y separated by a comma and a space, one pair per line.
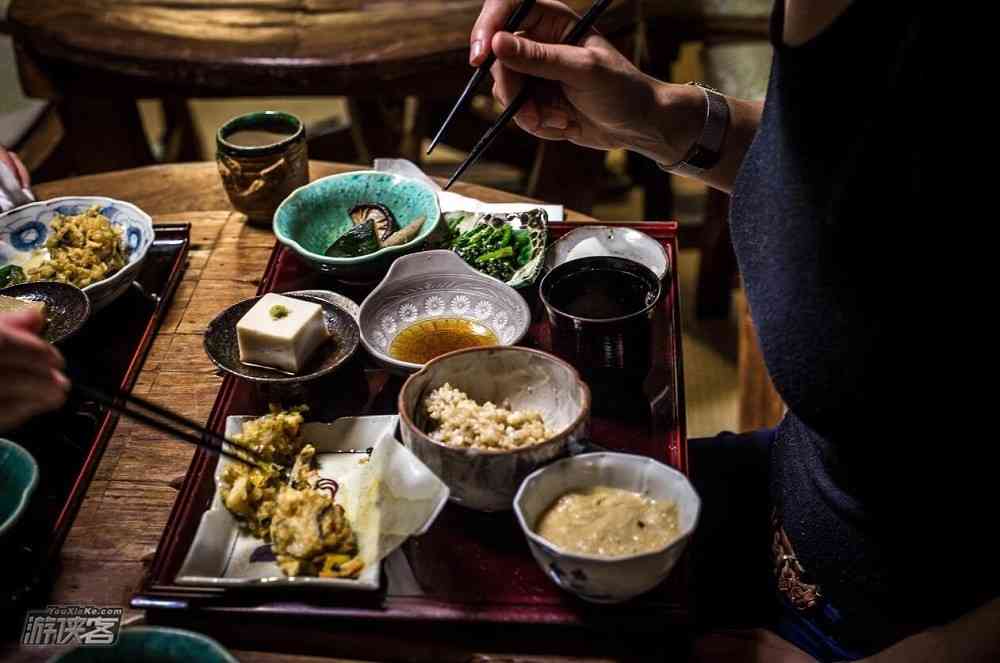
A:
973, 638
592, 95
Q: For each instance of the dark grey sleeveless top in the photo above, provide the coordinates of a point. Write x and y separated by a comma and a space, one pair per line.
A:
831, 221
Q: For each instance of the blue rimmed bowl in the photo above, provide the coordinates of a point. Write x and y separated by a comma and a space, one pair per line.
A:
152, 644
18, 479
314, 216
592, 577
25, 229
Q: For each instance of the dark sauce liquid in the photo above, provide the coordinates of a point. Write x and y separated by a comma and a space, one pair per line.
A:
257, 137
600, 294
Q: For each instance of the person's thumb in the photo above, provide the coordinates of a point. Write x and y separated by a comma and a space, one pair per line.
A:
27, 320
554, 62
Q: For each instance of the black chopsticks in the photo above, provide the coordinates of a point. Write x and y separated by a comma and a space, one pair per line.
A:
173, 424
513, 22
574, 36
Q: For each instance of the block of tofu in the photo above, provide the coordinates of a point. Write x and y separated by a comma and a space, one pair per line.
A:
13, 304
281, 332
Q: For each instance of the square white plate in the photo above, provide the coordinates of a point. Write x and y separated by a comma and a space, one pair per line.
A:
222, 553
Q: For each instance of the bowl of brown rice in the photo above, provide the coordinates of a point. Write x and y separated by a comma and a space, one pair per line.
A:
483, 419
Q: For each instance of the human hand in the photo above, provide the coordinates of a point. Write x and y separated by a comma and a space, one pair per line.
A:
31, 377
591, 94
746, 646
11, 160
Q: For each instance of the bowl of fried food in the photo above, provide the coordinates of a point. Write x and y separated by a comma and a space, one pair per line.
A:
94, 243
483, 419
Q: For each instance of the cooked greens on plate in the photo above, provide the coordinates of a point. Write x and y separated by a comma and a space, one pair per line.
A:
508, 246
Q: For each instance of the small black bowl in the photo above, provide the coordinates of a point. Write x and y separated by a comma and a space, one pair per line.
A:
222, 346
68, 306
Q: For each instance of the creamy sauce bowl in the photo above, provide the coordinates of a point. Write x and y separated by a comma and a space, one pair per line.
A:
594, 578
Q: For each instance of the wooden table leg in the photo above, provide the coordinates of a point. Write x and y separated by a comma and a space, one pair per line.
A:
718, 268
567, 174
760, 404
103, 134
180, 138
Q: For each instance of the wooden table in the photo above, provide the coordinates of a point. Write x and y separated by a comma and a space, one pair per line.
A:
96, 57
126, 507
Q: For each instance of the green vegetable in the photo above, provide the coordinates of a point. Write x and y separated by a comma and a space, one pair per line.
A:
509, 247
505, 252
358, 241
11, 275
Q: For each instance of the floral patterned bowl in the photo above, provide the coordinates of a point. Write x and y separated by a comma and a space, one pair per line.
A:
437, 284
25, 229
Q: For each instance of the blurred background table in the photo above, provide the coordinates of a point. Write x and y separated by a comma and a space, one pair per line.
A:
94, 58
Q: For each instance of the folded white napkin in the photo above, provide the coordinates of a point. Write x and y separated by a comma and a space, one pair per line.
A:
452, 202
11, 193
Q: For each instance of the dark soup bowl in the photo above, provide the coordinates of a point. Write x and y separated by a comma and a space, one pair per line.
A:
600, 310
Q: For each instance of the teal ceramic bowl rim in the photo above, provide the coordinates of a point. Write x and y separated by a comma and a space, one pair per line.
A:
359, 260
216, 647
252, 120
28, 490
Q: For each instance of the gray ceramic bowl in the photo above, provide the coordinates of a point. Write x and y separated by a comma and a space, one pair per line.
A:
606, 579
222, 347
438, 284
589, 241
529, 379
68, 306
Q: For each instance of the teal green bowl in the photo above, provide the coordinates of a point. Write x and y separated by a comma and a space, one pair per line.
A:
152, 644
18, 479
314, 216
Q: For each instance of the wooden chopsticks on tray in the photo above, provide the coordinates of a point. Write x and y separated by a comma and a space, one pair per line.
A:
574, 36
174, 424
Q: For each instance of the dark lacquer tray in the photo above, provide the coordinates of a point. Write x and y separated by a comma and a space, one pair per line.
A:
472, 572
68, 445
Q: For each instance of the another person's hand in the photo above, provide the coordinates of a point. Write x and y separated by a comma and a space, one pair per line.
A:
11, 160
31, 377
592, 94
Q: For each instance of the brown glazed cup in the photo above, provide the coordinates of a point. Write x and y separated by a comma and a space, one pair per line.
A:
603, 348
258, 178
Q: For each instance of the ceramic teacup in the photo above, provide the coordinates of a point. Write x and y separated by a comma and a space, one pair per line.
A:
262, 159
600, 310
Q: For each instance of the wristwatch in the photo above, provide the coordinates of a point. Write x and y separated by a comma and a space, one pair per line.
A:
707, 150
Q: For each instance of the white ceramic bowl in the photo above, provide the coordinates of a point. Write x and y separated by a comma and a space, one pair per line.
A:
606, 579
614, 241
486, 480
437, 284
25, 229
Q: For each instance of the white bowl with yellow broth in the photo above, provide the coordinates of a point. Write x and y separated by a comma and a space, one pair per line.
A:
608, 578
26, 233
431, 303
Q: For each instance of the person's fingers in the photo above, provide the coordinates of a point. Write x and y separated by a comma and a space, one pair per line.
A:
548, 21
22, 172
21, 346
571, 132
570, 65
28, 320
8, 161
506, 85
491, 20
31, 395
